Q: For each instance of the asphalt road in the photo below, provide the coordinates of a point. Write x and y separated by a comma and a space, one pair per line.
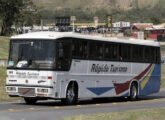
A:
54, 110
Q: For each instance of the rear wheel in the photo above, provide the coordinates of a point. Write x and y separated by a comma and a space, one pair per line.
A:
30, 101
134, 92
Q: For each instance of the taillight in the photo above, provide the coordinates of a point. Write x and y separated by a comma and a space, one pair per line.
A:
50, 77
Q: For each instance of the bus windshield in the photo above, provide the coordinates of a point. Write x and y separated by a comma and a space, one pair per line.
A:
32, 54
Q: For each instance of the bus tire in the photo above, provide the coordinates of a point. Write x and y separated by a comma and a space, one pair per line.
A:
30, 101
71, 94
133, 92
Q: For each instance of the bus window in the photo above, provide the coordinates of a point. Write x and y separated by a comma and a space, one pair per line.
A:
63, 56
157, 55
125, 52
110, 51
137, 53
79, 48
148, 54
95, 50
32, 54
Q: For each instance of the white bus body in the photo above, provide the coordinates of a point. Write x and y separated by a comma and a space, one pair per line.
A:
89, 78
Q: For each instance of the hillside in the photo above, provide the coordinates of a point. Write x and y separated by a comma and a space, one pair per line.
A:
85, 10
95, 4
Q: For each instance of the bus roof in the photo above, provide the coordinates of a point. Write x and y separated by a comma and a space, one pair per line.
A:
57, 35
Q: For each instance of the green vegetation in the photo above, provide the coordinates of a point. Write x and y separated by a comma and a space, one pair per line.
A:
94, 4
163, 76
16, 12
130, 10
3, 95
147, 114
4, 47
163, 66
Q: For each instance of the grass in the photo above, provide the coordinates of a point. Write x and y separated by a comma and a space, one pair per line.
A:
146, 114
3, 95
4, 47
163, 66
163, 76
4, 50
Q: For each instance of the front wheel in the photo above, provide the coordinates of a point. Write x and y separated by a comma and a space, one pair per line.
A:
30, 101
133, 92
71, 95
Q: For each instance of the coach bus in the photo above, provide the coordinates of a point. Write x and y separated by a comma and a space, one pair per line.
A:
70, 66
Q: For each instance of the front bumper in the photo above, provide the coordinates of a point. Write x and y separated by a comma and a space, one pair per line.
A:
28, 91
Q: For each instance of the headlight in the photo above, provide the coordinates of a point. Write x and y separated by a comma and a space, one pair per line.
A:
11, 89
39, 90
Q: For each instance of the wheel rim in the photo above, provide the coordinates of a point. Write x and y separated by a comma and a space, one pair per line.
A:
134, 92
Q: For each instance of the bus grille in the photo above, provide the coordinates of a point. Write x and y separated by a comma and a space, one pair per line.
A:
29, 92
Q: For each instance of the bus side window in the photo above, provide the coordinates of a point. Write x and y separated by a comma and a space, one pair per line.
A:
63, 56
85, 49
138, 54
126, 53
157, 55
120, 52
147, 54
95, 50
114, 51
106, 52
110, 51
79, 49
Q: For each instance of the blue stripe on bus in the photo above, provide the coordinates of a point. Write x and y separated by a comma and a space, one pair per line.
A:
153, 85
100, 90
126, 94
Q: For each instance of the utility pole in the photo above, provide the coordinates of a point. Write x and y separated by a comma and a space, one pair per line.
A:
73, 18
73, 25
41, 24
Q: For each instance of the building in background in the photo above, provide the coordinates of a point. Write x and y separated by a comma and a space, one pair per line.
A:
120, 26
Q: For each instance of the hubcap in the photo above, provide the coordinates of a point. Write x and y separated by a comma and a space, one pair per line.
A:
134, 92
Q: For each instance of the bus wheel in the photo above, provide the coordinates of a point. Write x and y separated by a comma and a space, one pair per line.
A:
134, 92
30, 101
71, 94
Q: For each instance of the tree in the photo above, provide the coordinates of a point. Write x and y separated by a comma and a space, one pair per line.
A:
8, 11
28, 15
14, 12
155, 20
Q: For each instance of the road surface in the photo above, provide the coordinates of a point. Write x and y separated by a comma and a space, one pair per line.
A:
54, 110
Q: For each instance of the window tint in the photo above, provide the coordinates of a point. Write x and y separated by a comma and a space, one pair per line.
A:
79, 48
152, 54
137, 53
63, 53
95, 50
110, 51
157, 55
124, 52
148, 54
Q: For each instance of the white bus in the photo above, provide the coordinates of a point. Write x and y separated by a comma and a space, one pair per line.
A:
70, 66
